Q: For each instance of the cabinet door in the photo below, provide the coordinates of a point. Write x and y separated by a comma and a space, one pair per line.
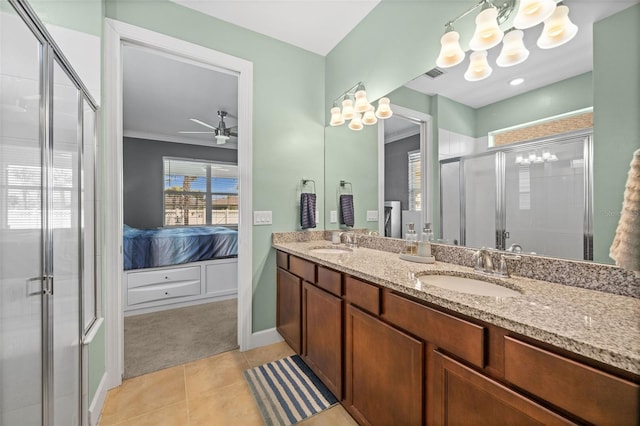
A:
288, 311
322, 336
384, 370
463, 396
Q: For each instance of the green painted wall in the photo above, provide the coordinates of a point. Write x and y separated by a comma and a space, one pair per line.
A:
411, 99
288, 122
616, 119
564, 96
84, 16
456, 117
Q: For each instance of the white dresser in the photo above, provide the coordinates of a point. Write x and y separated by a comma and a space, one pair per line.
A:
155, 289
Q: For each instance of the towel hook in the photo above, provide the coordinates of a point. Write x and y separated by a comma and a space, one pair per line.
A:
307, 181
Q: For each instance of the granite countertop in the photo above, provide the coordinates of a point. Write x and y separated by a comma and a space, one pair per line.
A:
601, 326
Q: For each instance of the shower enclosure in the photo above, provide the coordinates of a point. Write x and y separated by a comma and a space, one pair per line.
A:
535, 197
47, 141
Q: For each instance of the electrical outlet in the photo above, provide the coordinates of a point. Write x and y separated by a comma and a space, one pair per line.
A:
372, 215
333, 216
262, 218
317, 216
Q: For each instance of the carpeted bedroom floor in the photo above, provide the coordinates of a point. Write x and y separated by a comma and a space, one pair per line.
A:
163, 339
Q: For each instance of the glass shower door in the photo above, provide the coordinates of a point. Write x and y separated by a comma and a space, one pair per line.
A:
545, 199
21, 220
66, 230
479, 188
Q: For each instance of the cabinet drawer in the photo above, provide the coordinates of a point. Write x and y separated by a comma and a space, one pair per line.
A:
282, 260
143, 278
363, 295
153, 292
330, 281
452, 334
303, 269
592, 395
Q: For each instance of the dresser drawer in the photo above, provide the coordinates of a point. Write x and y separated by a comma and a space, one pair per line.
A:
330, 280
302, 268
593, 395
155, 292
282, 260
454, 335
143, 278
363, 295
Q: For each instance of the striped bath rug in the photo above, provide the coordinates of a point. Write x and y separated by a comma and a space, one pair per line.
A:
287, 391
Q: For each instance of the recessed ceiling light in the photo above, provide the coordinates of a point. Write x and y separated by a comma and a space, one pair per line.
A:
516, 81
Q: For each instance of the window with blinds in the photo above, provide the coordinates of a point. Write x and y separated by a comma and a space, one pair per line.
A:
198, 192
415, 181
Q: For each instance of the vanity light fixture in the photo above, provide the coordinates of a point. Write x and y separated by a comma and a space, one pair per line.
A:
361, 112
558, 30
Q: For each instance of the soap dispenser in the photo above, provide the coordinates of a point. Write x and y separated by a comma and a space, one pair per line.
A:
427, 233
411, 240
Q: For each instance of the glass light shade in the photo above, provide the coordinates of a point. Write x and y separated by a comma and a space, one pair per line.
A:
347, 109
384, 109
369, 118
532, 12
362, 104
488, 33
336, 117
356, 122
451, 54
221, 139
558, 29
479, 68
513, 51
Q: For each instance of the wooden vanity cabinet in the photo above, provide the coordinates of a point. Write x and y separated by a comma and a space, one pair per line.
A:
322, 328
384, 371
289, 309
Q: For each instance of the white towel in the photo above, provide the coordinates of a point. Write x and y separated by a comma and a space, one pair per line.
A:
625, 250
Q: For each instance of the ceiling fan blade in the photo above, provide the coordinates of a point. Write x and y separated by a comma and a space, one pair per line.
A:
195, 120
198, 132
234, 134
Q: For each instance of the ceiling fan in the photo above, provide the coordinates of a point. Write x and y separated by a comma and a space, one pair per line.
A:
221, 132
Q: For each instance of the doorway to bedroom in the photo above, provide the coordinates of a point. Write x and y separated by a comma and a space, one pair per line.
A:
180, 181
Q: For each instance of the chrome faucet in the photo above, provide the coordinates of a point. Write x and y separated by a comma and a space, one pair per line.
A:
515, 248
484, 263
350, 239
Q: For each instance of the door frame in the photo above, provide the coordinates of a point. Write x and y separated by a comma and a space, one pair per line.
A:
115, 33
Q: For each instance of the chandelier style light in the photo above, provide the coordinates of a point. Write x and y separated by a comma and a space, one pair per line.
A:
558, 30
357, 109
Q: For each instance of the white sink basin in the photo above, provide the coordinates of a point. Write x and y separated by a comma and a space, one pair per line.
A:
330, 250
468, 285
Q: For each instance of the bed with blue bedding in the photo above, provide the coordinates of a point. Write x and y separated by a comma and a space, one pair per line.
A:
150, 248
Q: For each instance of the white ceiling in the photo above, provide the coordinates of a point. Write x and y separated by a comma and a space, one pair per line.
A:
314, 25
543, 67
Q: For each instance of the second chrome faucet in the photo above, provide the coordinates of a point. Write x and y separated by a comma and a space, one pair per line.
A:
484, 262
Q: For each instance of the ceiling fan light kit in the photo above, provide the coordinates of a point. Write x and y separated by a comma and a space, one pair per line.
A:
357, 109
221, 133
558, 30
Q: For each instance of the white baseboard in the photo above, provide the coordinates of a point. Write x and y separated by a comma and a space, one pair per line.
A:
264, 337
98, 402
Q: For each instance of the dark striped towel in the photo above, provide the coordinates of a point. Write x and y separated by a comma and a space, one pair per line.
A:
307, 210
346, 210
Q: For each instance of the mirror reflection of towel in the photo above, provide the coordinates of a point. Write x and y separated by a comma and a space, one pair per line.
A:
625, 249
346, 210
307, 210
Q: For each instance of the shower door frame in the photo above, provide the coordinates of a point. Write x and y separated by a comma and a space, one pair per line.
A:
499, 154
51, 54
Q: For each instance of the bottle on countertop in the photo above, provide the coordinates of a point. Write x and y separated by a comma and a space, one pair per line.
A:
427, 233
411, 240
424, 246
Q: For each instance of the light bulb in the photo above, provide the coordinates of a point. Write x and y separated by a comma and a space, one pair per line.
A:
369, 118
336, 117
356, 122
479, 68
513, 51
362, 103
384, 109
532, 12
488, 33
519, 159
347, 109
558, 29
451, 54
546, 154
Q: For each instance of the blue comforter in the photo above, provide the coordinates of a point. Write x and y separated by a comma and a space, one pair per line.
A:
149, 248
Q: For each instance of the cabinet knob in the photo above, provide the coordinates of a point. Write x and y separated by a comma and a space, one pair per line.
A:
166, 278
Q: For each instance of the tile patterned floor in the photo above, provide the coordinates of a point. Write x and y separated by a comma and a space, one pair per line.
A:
208, 392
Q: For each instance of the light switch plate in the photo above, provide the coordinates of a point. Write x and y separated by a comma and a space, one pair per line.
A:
262, 218
372, 215
333, 216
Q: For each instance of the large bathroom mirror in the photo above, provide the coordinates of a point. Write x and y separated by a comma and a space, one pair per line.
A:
463, 181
